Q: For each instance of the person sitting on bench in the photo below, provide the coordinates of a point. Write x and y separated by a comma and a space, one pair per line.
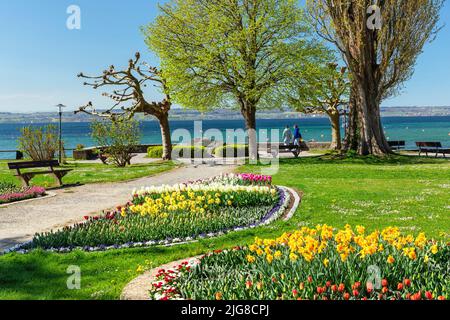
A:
297, 136
287, 136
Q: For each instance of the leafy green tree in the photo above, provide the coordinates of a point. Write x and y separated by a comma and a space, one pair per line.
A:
119, 138
222, 53
324, 89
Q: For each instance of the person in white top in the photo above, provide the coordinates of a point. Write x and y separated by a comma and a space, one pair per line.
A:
287, 136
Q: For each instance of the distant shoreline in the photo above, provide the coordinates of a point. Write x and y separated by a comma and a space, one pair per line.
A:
222, 115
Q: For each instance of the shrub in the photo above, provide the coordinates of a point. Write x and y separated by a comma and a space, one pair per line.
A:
156, 152
119, 139
39, 143
234, 150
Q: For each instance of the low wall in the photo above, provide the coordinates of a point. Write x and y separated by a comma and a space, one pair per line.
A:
319, 145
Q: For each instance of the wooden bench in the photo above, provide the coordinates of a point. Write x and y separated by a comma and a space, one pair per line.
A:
290, 148
432, 147
25, 177
295, 149
397, 145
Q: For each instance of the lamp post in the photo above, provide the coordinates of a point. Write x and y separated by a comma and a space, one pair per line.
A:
60, 107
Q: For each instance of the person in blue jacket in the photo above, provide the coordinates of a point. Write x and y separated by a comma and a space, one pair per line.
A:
297, 135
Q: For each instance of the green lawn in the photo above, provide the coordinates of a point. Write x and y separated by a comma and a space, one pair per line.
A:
84, 173
411, 193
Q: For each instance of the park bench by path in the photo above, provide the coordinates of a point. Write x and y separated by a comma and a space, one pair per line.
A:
397, 145
432, 147
25, 177
290, 148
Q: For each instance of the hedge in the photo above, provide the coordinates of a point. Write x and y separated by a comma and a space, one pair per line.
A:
156, 152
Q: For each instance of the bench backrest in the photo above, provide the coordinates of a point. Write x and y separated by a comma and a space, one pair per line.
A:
287, 147
400, 143
429, 144
33, 164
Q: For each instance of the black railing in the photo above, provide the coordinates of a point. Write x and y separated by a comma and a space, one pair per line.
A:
19, 154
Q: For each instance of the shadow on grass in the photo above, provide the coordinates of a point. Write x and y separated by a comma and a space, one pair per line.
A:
26, 278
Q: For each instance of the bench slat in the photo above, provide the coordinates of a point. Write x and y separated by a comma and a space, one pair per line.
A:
424, 145
33, 164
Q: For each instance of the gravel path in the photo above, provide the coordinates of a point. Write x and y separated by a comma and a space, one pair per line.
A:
19, 222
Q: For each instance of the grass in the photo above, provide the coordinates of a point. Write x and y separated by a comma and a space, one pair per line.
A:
409, 192
84, 173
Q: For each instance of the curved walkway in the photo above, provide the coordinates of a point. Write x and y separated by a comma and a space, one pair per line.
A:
19, 222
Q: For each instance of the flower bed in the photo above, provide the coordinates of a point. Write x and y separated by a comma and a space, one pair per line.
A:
319, 263
173, 214
20, 194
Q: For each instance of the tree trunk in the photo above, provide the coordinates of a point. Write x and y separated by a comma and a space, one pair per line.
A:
365, 134
371, 134
336, 142
351, 140
248, 110
165, 135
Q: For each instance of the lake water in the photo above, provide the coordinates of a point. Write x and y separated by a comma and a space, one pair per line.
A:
410, 129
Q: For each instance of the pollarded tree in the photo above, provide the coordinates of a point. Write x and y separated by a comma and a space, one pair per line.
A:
380, 42
322, 89
217, 53
129, 97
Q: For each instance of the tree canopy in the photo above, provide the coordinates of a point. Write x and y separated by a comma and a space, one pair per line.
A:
230, 53
380, 56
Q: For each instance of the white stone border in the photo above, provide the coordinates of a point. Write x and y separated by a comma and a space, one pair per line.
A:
294, 208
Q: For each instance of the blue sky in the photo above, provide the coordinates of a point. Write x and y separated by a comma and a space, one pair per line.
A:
40, 57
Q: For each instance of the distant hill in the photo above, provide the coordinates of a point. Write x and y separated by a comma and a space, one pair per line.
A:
180, 114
